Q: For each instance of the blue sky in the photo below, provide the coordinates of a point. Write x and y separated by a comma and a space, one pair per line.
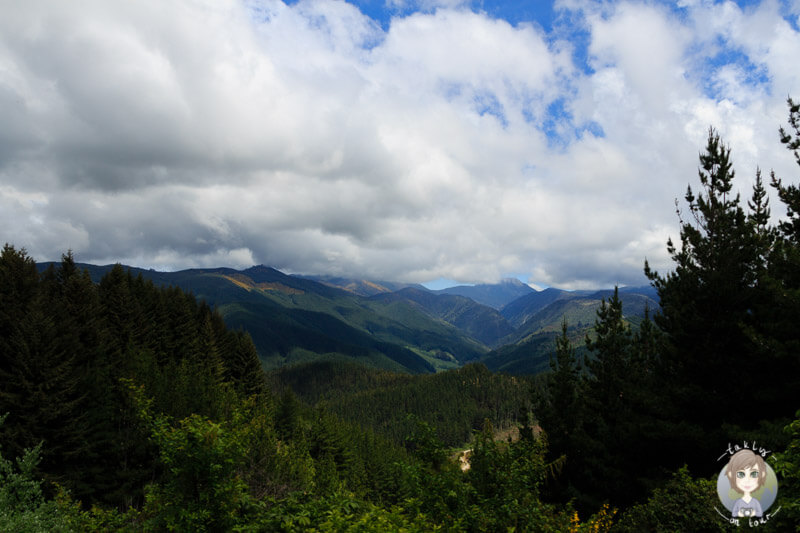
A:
515, 12
395, 140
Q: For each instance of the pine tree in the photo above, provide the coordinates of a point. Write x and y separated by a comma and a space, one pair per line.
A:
287, 416
560, 411
612, 353
790, 194
19, 285
76, 312
706, 300
244, 365
774, 326
604, 421
558, 408
118, 305
610, 414
45, 396
646, 344
728, 311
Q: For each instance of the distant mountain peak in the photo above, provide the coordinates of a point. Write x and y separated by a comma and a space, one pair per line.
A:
514, 282
494, 295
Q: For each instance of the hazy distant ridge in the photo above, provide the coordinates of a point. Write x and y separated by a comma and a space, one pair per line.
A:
494, 295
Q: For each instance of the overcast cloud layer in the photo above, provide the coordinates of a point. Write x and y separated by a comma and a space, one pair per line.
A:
315, 139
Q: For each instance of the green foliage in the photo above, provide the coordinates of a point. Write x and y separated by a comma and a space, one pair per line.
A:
424, 444
787, 466
48, 368
608, 443
681, 504
201, 489
506, 478
23, 507
338, 511
97, 518
559, 407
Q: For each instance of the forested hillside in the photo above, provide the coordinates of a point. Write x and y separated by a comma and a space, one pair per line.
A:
479, 322
71, 348
454, 403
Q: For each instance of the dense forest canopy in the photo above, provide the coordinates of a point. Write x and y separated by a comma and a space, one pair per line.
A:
127, 406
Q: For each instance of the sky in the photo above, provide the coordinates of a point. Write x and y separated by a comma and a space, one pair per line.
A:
402, 140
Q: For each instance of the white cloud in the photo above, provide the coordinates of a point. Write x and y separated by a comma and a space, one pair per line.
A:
424, 5
306, 137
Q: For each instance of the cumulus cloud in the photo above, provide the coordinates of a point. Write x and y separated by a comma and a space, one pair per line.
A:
444, 144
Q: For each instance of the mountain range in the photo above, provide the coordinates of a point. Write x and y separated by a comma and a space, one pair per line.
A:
508, 326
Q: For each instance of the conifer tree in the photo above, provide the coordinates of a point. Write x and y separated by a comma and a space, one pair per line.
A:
244, 365
706, 301
774, 325
117, 305
728, 312
45, 397
558, 407
287, 416
75, 309
19, 284
603, 420
611, 416
566, 375
790, 194
560, 411
612, 353
646, 344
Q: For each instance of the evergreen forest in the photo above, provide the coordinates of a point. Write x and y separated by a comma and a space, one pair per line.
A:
131, 406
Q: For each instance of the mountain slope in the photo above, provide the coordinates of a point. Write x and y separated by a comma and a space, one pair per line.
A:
529, 356
520, 310
494, 295
396, 322
580, 311
480, 322
294, 319
361, 287
529, 348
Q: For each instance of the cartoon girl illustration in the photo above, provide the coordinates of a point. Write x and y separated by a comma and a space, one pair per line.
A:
746, 472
